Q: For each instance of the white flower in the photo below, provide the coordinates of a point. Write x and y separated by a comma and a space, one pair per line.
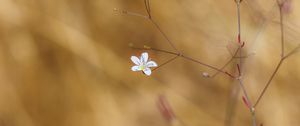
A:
142, 64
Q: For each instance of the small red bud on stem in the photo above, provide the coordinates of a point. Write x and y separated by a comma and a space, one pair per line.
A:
239, 70
239, 39
246, 102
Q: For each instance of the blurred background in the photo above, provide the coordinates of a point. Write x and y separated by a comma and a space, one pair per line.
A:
67, 63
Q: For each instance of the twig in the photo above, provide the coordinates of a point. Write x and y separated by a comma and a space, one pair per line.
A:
268, 83
146, 2
251, 107
207, 65
165, 63
246, 56
295, 50
238, 2
148, 9
281, 29
154, 49
164, 35
239, 67
227, 63
187, 58
283, 56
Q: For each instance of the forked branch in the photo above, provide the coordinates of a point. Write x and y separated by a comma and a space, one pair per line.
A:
283, 55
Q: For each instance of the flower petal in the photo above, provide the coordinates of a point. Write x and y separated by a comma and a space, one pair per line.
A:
144, 57
135, 60
147, 71
135, 68
151, 64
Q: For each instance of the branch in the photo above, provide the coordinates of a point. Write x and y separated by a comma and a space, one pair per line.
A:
239, 66
227, 63
268, 83
165, 63
283, 56
185, 57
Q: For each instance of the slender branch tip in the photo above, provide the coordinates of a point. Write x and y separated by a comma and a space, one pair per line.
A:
147, 47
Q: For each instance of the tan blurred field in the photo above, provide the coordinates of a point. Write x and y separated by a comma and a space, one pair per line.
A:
67, 63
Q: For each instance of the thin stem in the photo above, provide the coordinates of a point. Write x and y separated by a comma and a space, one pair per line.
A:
269, 82
238, 3
245, 91
164, 35
165, 63
251, 107
224, 66
207, 65
292, 52
165, 51
148, 9
227, 63
282, 32
253, 117
135, 14
283, 56
228, 49
130, 13
147, 6
187, 58
239, 19
154, 49
246, 56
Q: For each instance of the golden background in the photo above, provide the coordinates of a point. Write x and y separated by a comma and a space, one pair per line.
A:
67, 62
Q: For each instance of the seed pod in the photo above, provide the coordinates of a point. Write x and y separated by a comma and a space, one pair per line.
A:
205, 74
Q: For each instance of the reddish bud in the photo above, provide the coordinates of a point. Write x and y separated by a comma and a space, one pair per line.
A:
165, 109
246, 102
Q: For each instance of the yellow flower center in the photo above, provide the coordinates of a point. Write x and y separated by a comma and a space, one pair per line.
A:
142, 67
